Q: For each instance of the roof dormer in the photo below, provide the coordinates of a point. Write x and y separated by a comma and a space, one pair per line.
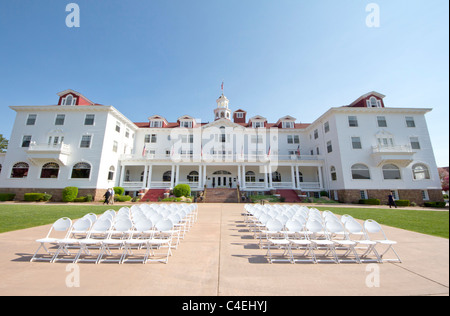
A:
239, 116
369, 100
70, 97
157, 121
186, 121
286, 122
257, 121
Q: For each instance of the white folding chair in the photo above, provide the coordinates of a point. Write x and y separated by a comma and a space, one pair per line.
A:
371, 227
299, 240
143, 231
339, 236
99, 232
161, 240
59, 230
78, 231
118, 236
316, 229
356, 233
276, 240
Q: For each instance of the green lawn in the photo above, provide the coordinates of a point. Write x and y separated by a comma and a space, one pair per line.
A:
434, 223
14, 217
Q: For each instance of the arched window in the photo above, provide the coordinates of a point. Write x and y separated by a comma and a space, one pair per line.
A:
69, 100
193, 176
333, 173
50, 170
360, 172
81, 170
420, 172
250, 176
167, 176
391, 172
20, 170
111, 173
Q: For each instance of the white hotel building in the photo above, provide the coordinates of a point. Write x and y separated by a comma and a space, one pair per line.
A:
362, 150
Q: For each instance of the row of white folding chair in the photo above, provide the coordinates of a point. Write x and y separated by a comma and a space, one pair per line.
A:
103, 234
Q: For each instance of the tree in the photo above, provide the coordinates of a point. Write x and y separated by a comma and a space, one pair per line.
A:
443, 175
3, 144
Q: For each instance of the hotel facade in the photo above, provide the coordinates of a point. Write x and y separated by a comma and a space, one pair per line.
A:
358, 151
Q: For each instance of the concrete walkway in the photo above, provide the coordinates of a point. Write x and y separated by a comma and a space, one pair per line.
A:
218, 258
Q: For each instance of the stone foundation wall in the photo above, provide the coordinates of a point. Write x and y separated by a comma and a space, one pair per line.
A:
97, 194
353, 196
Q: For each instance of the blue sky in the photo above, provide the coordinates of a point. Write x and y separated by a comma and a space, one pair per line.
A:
277, 57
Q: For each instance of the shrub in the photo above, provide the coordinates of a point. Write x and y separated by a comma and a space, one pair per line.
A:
118, 191
89, 198
402, 202
370, 201
182, 190
122, 198
80, 199
7, 196
434, 204
37, 197
69, 194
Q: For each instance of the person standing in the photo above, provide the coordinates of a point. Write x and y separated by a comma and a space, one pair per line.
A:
111, 197
391, 200
107, 196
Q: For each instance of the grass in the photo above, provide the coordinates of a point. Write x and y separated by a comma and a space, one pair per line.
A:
435, 223
21, 216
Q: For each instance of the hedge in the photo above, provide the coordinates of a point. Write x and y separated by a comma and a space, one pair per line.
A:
7, 196
182, 190
434, 204
370, 201
118, 191
122, 198
402, 202
36, 197
69, 194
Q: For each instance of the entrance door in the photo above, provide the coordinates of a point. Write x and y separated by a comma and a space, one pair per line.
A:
221, 179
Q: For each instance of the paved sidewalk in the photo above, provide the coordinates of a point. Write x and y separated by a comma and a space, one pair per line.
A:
218, 258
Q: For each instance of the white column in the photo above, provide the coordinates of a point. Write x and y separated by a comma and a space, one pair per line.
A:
172, 178
122, 173
270, 177
144, 178
239, 176
200, 176
149, 180
204, 175
298, 178
243, 177
319, 170
293, 177
177, 178
265, 177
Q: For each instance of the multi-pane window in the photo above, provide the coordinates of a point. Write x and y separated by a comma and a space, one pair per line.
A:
329, 147
31, 120
352, 121
50, 170
326, 127
420, 172
356, 143
115, 146
316, 134
118, 127
333, 173
89, 119
391, 172
85, 141
360, 172
410, 121
26, 140
155, 123
293, 139
81, 170
20, 170
414, 142
60, 119
150, 138
258, 124
287, 124
381, 120
111, 173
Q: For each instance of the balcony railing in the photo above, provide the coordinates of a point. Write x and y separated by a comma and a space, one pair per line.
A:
219, 157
